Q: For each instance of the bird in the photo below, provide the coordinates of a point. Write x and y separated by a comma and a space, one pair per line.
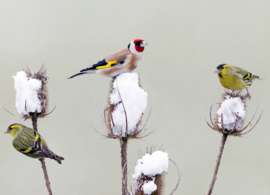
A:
125, 60
30, 143
235, 78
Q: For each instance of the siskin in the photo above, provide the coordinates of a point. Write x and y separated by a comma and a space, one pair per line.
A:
235, 78
29, 142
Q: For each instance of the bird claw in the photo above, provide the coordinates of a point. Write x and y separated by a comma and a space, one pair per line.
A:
248, 96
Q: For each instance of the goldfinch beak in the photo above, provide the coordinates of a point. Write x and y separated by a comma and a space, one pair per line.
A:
217, 71
143, 44
6, 132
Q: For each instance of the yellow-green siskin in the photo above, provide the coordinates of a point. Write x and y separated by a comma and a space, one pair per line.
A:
29, 142
235, 78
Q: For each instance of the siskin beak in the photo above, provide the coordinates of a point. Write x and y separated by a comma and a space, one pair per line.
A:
217, 71
6, 132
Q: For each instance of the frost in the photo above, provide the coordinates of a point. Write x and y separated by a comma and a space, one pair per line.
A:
233, 111
27, 90
149, 187
135, 102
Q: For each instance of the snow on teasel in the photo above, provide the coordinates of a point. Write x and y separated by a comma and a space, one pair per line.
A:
149, 172
233, 111
149, 187
31, 92
231, 114
135, 102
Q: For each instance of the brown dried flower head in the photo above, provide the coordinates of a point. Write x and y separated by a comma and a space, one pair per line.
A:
149, 177
229, 118
150, 171
32, 93
126, 105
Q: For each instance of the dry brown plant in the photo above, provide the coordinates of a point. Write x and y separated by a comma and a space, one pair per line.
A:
225, 132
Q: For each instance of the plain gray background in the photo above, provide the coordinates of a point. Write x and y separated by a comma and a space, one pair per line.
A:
187, 40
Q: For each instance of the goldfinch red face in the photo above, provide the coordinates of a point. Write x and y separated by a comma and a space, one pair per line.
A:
137, 46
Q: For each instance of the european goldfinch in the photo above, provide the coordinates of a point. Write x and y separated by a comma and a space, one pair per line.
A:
125, 60
29, 142
235, 78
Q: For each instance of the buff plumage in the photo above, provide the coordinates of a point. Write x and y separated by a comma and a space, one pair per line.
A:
125, 60
29, 142
235, 78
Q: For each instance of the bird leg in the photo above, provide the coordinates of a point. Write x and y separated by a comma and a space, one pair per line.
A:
248, 95
232, 93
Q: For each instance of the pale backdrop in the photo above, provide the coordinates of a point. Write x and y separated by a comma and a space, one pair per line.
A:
187, 40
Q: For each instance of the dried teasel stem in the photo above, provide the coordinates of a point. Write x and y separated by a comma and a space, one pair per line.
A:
124, 143
224, 138
46, 177
42, 160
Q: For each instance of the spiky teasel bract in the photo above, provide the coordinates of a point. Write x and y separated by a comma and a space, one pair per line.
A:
42, 93
235, 126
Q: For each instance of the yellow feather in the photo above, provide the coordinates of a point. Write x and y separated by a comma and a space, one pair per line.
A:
28, 150
231, 80
107, 65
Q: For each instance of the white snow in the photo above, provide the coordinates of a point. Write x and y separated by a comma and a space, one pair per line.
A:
149, 165
233, 110
135, 102
27, 90
149, 187
152, 164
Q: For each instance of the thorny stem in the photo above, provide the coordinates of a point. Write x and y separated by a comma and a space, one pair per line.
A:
42, 160
124, 142
224, 138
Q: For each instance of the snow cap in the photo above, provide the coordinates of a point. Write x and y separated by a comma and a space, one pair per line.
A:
31, 93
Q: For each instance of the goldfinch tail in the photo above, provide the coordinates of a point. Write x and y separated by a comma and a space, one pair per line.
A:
81, 73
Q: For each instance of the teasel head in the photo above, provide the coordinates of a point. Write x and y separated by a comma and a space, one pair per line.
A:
127, 102
150, 171
31, 93
229, 118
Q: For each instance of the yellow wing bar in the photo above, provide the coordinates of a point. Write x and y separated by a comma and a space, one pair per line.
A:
110, 63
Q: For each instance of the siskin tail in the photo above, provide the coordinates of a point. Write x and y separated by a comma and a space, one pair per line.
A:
257, 77
57, 158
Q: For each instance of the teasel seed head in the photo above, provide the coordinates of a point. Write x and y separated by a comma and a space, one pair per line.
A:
31, 93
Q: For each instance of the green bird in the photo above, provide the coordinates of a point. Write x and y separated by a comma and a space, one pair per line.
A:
235, 78
30, 143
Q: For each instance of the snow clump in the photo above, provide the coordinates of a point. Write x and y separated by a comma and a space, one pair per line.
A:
149, 166
135, 102
149, 187
233, 111
27, 90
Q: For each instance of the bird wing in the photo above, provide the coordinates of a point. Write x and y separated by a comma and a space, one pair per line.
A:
245, 75
116, 59
24, 140
30, 143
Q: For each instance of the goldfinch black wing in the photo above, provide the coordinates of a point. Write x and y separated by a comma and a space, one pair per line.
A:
101, 64
117, 59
